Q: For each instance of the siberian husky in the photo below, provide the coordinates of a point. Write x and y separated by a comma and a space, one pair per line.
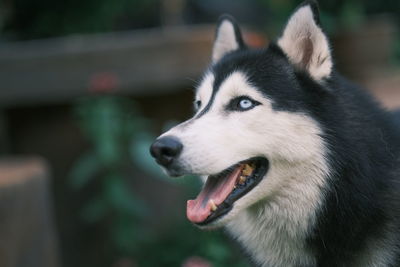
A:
299, 165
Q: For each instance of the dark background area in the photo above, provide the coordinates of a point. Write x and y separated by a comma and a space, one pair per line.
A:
86, 86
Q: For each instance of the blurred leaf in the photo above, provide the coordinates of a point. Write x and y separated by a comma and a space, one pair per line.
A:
84, 170
217, 251
352, 14
122, 199
127, 235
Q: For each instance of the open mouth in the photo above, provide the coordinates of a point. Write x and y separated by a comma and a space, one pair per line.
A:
223, 189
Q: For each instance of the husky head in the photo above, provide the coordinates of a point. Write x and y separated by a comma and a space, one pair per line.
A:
254, 138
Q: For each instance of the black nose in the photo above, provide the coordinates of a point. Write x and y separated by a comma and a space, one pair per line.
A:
166, 149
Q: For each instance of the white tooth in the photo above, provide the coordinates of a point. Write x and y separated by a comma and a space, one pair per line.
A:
242, 179
212, 204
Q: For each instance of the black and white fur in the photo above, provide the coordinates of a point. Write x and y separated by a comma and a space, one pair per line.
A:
331, 196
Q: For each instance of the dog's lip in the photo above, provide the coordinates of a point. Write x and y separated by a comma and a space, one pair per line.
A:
225, 205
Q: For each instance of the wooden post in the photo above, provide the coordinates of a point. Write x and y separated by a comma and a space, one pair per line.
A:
27, 234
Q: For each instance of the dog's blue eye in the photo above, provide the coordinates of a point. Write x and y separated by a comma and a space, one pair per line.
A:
245, 103
241, 103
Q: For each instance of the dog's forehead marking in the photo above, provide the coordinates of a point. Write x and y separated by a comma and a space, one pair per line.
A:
237, 84
205, 94
220, 90
204, 91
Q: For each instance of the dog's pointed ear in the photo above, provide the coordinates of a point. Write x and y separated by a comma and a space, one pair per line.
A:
304, 42
227, 38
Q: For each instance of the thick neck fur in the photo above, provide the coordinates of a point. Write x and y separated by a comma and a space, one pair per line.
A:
274, 232
290, 228
357, 225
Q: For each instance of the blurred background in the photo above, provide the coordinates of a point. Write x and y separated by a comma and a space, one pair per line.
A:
86, 86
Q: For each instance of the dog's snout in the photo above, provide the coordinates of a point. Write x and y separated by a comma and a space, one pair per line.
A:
166, 149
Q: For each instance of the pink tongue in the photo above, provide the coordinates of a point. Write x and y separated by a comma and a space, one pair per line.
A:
199, 209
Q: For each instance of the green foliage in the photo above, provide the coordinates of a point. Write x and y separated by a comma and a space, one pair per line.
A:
186, 241
336, 15
110, 123
44, 18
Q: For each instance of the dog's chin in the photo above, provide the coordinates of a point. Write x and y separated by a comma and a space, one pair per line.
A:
215, 204
222, 221
173, 173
